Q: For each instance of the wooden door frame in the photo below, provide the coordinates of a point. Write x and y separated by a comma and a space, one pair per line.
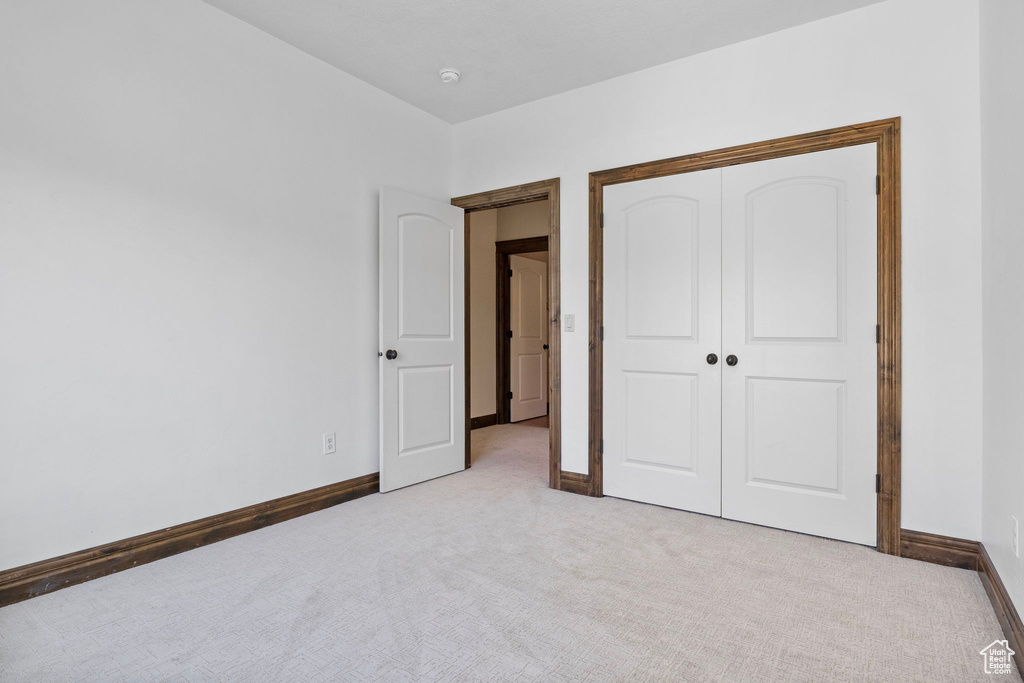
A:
508, 196
503, 319
885, 134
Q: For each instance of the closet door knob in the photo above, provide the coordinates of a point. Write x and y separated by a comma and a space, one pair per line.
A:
391, 354
731, 360
712, 359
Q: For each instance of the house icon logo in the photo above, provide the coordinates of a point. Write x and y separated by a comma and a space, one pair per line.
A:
998, 657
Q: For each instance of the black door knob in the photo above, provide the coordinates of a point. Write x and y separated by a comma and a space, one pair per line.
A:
391, 354
731, 360
545, 347
712, 358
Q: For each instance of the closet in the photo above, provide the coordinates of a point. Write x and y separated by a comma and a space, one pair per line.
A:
739, 356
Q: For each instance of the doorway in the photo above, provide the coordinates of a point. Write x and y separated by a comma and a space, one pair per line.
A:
883, 139
522, 329
539, 367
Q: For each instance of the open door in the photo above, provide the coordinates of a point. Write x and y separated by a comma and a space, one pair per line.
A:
528, 364
422, 346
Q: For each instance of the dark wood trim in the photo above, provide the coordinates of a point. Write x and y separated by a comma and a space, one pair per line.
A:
964, 554
467, 335
574, 482
30, 580
501, 345
507, 196
890, 347
483, 421
936, 549
526, 245
503, 318
522, 194
1006, 612
595, 431
555, 336
886, 135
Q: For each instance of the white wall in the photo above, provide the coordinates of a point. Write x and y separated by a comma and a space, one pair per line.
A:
188, 246
188, 278
1002, 100
483, 230
520, 221
912, 58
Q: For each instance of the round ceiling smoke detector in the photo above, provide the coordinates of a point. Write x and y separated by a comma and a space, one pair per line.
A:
450, 75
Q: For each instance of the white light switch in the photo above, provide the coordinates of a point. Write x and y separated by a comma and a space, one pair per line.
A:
570, 322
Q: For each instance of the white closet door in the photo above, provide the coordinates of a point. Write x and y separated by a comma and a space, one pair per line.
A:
662, 317
799, 302
528, 365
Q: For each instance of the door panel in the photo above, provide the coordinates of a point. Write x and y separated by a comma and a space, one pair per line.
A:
662, 316
654, 400
425, 246
796, 294
422, 390
654, 228
799, 313
529, 317
781, 453
424, 408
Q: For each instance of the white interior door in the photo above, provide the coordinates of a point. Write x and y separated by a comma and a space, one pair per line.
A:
422, 387
662, 317
528, 364
799, 302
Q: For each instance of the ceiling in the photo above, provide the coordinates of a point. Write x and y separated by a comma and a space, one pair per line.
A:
513, 51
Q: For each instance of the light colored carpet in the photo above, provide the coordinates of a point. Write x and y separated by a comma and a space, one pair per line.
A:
487, 575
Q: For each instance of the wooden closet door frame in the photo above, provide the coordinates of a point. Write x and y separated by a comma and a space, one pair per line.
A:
508, 196
885, 134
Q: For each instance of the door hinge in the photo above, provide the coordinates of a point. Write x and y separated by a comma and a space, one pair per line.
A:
510, 394
878, 334
878, 184
878, 483
510, 334
602, 444
602, 332
510, 272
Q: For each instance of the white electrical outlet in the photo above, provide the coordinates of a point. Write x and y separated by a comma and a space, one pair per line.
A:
1016, 537
329, 446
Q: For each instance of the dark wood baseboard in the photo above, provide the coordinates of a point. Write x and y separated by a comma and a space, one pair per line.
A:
31, 580
1009, 617
958, 552
944, 550
483, 421
574, 482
